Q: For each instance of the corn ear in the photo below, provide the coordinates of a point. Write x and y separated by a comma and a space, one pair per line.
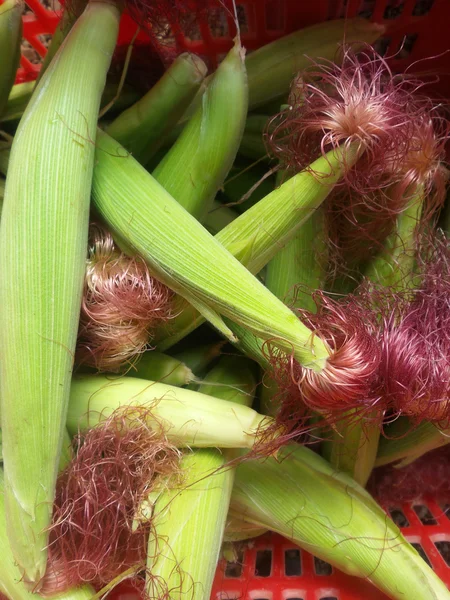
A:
328, 514
196, 166
198, 358
188, 418
45, 220
11, 584
183, 255
257, 235
219, 217
271, 68
142, 127
163, 368
10, 40
189, 519
404, 442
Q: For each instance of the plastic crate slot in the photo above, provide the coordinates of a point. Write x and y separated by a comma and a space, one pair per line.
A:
329, 598
421, 552
399, 517
263, 564
422, 7
292, 563
381, 45
294, 597
234, 569
443, 548
366, 9
393, 10
242, 17
406, 46
217, 21
424, 514
321, 567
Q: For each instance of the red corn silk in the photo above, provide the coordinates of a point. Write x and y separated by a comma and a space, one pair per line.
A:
98, 495
121, 305
428, 475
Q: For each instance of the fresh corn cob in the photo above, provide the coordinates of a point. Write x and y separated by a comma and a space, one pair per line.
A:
328, 514
189, 519
187, 417
196, 166
10, 40
45, 219
184, 256
163, 368
142, 128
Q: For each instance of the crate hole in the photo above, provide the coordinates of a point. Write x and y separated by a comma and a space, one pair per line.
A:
423, 512
30, 53
393, 10
444, 550
292, 563
446, 510
242, 16
321, 567
406, 46
366, 9
382, 45
329, 598
275, 15
192, 31
217, 21
294, 598
398, 517
421, 552
234, 569
422, 7
263, 564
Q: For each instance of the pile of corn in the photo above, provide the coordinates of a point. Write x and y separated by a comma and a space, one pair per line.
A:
135, 442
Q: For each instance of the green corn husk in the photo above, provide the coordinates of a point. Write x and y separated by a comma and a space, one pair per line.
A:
5, 152
328, 514
252, 146
270, 69
11, 584
183, 255
404, 443
189, 519
142, 128
219, 217
199, 358
21, 93
354, 444
188, 418
257, 235
238, 530
196, 166
10, 40
162, 368
45, 220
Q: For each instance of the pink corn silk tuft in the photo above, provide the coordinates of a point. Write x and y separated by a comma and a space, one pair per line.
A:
350, 377
429, 474
400, 131
121, 304
116, 465
415, 365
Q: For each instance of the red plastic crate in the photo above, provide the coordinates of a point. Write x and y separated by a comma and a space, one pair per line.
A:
272, 568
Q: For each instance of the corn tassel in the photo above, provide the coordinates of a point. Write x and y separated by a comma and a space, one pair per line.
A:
182, 254
189, 519
328, 514
188, 418
142, 128
10, 40
196, 166
45, 220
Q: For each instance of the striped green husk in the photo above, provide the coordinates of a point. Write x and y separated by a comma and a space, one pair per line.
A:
198, 358
142, 127
189, 519
405, 442
163, 368
325, 512
182, 254
196, 166
11, 583
43, 244
188, 418
257, 235
219, 217
10, 40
